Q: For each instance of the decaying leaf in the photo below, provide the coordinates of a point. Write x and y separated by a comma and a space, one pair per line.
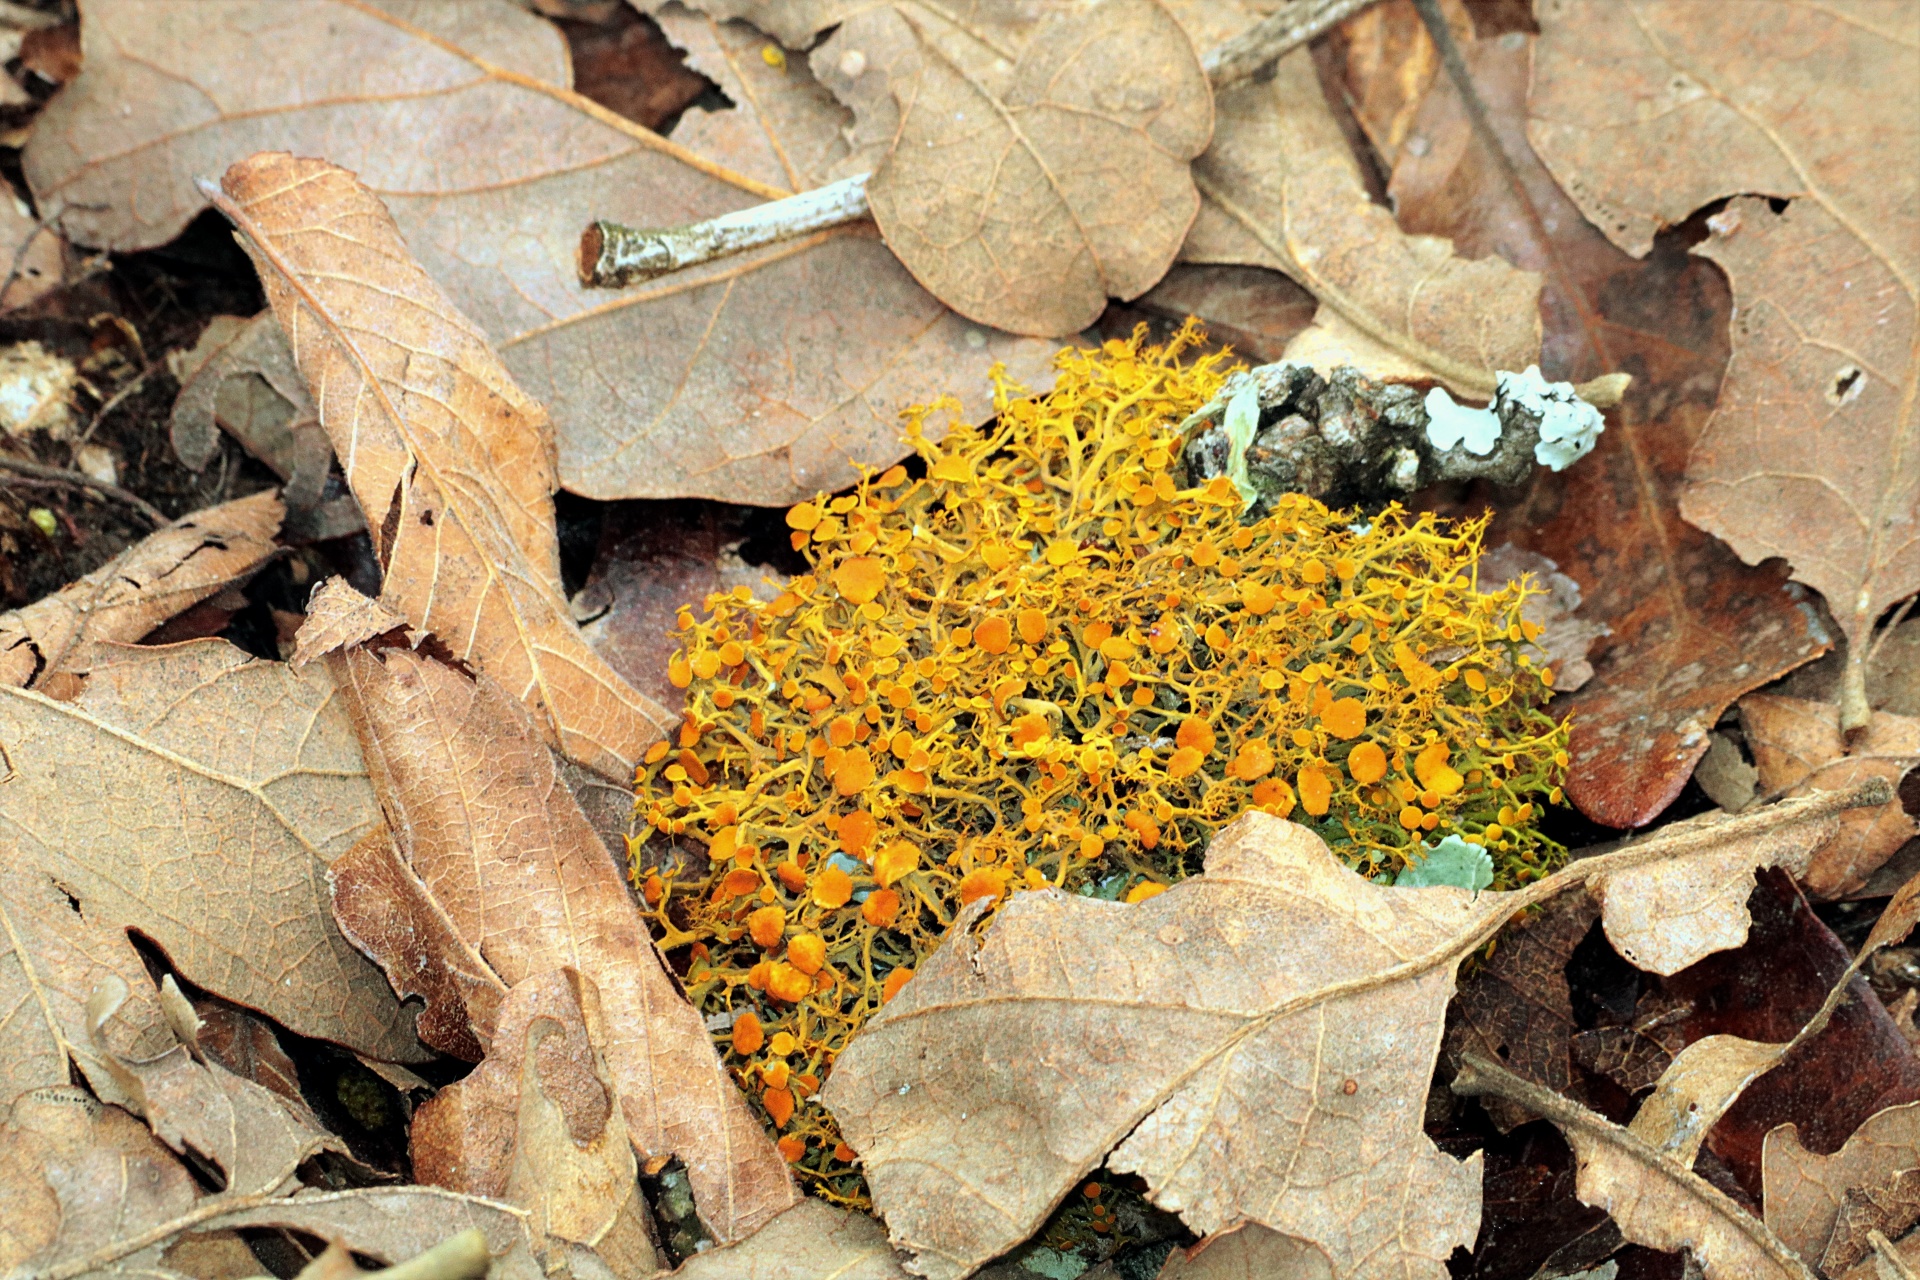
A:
1648, 112
1798, 747
452, 463
196, 794
1653, 1195
537, 1125
811, 1239
32, 257
1255, 311
1036, 168
1247, 1252
1564, 639
338, 617
1807, 1193
168, 571
1390, 63
1692, 628
509, 862
1283, 191
462, 117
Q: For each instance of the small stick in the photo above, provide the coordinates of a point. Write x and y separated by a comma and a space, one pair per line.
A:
613, 255
80, 480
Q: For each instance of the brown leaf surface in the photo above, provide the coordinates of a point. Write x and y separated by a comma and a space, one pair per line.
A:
1564, 639
809, 1240
196, 794
1693, 629
32, 257
1236, 1074
1283, 191
1648, 112
1516, 1008
1247, 1253
451, 462
163, 574
764, 378
483, 822
1798, 747
1031, 178
338, 617
392, 1224
536, 1125
1255, 311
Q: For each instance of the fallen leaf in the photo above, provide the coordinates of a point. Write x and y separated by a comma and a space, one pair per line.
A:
1251, 309
1798, 747
1813, 452
254, 1137
338, 617
483, 822
246, 1045
1390, 62
765, 378
1248, 1252
625, 64
1807, 1192
811, 1239
1564, 640
536, 1125
1036, 168
196, 794
450, 460
392, 1224
1515, 1007
1282, 190
1656, 1199
163, 574
1698, 1087
32, 256
75, 1172
1636, 1054
1692, 628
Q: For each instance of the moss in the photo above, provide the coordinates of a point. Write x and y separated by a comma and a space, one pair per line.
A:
1046, 664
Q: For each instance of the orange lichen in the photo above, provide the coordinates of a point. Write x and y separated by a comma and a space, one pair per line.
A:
1047, 664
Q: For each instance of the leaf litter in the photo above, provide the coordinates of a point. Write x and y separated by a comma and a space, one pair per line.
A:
391, 797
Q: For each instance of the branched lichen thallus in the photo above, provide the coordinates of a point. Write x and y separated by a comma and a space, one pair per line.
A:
1045, 662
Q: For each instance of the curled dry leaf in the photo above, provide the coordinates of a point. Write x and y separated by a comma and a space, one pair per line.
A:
1234, 1040
1692, 628
451, 461
338, 617
163, 574
1655, 1198
1798, 747
764, 379
513, 870
536, 1125
1036, 168
1282, 190
196, 794
1648, 112
32, 256
811, 1239
1807, 1192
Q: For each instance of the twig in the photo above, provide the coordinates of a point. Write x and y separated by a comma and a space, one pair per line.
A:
81, 480
613, 255
115, 400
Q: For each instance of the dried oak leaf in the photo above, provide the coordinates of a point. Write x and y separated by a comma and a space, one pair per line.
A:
511, 868
1238, 1041
1692, 628
1798, 747
536, 1125
1648, 112
811, 1239
196, 794
763, 379
1282, 190
451, 461
164, 573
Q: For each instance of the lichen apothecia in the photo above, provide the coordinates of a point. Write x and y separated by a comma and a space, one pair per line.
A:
1044, 663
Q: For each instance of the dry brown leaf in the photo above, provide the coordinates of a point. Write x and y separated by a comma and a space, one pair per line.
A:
1247, 1253
1253, 310
451, 462
1283, 191
75, 1173
254, 1137
503, 851
761, 379
812, 1239
1036, 168
1390, 63
1254, 1042
1646, 113
536, 1125
1564, 639
1798, 747
1653, 1196
32, 257
161, 575
1704, 1080
338, 617
196, 794
1889, 1208
1805, 1190
392, 1224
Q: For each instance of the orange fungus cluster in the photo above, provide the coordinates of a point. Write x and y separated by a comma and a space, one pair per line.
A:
1045, 663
